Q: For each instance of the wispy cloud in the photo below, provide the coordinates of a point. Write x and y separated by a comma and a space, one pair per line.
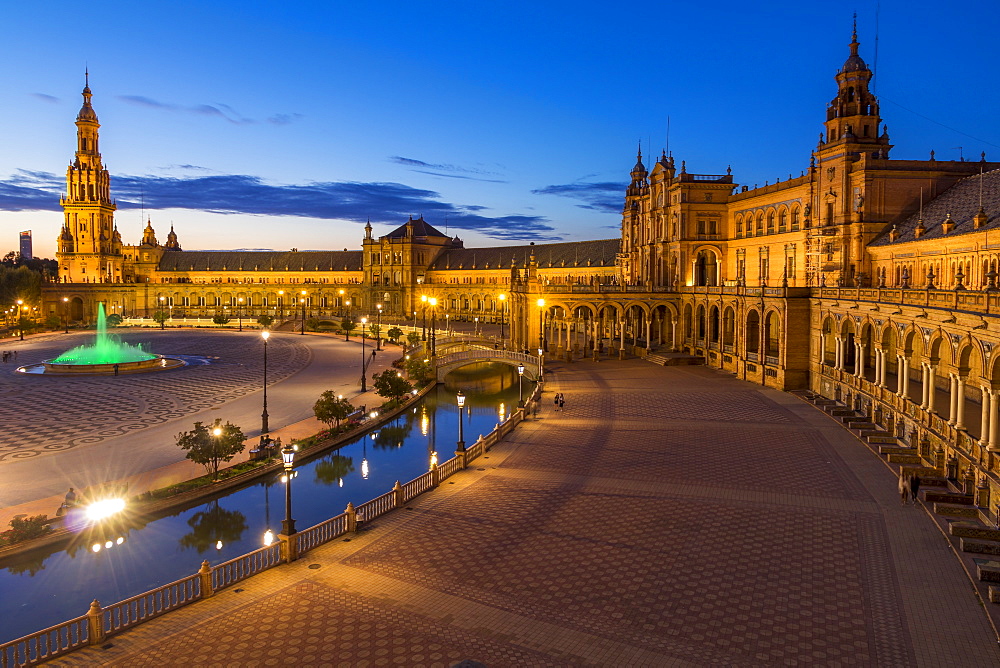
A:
446, 170
51, 99
388, 203
606, 196
217, 110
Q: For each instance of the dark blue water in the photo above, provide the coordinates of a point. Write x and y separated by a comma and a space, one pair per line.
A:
44, 589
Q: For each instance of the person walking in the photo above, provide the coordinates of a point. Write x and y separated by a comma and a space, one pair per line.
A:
915, 488
904, 488
555, 401
562, 400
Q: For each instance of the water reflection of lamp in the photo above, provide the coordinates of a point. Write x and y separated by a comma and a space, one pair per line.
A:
520, 390
268, 534
460, 446
364, 458
434, 459
503, 411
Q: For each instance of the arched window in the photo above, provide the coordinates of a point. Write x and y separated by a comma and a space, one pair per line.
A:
728, 326
795, 218
688, 331
753, 333
713, 325
770, 222
771, 341
760, 224
701, 323
782, 220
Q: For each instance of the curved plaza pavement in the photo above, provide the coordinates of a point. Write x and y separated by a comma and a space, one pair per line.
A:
61, 432
667, 517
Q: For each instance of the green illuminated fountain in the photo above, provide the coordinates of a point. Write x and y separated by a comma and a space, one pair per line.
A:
106, 349
108, 355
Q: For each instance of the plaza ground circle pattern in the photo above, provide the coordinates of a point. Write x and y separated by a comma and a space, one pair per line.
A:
60, 413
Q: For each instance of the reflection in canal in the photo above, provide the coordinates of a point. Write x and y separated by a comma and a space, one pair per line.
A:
130, 555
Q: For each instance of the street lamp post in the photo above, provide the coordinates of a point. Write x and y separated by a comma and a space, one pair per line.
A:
239, 313
541, 364
66, 314
477, 326
378, 328
288, 458
20, 318
364, 357
520, 391
460, 446
302, 300
263, 416
163, 321
541, 324
340, 303
423, 300
503, 302
433, 303
281, 307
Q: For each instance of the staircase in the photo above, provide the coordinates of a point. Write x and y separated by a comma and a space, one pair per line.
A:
972, 530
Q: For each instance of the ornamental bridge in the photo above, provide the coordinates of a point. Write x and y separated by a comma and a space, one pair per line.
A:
456, 352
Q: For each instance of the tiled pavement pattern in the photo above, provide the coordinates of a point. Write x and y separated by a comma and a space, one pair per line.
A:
600, 538
56, 414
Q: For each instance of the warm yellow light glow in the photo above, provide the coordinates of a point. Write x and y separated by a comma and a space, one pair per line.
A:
423, 298
268, 537
433, 301
501, 296
99, 510
217, 431
96, 547
265, 335
120, 540
218, 545
541, 303
374, 414
364, 321
434, 459
65, 299
364, 469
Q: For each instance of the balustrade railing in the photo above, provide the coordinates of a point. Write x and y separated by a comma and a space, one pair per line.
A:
151, 604
321, 533
240, 568
380, 505
418, 486
45, 644
450, 467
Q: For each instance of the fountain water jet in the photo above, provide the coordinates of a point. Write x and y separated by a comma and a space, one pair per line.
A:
106, 356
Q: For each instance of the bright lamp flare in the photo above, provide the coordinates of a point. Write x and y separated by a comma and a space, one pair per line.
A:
104, 508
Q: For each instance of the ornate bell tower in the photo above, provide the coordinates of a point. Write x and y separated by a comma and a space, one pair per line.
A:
90, 249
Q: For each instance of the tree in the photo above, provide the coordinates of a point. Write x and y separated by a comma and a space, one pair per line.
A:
348, 325
265, 320
413, 339
374, 330
161, 317
52, 321
221, 319
394, 333
209, 527
20, 283
113, 320
26, 324
331, 409
419, 370
205, 448
331, 469
391, 384
312, 324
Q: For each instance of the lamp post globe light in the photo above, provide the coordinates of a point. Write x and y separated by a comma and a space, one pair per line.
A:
20, 323
302, 300
288, 459
520, 391
423, 301
378, 328
364, 357
433, 303
281, 308
239, 313
460, 398
66, 314
503, 303
263, 416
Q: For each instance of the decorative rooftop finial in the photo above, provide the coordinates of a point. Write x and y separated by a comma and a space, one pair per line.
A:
854, 30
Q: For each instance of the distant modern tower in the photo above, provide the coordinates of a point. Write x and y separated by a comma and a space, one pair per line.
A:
26, 245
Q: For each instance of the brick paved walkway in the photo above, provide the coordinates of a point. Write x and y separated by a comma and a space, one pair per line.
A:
667, 517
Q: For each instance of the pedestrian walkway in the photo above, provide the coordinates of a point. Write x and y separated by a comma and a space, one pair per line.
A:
667, 516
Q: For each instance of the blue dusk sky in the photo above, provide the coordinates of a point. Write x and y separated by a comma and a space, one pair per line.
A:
288, 124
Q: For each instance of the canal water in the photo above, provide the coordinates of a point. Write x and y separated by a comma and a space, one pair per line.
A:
43, 589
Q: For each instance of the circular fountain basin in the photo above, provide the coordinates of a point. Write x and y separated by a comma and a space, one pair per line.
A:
158, 363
